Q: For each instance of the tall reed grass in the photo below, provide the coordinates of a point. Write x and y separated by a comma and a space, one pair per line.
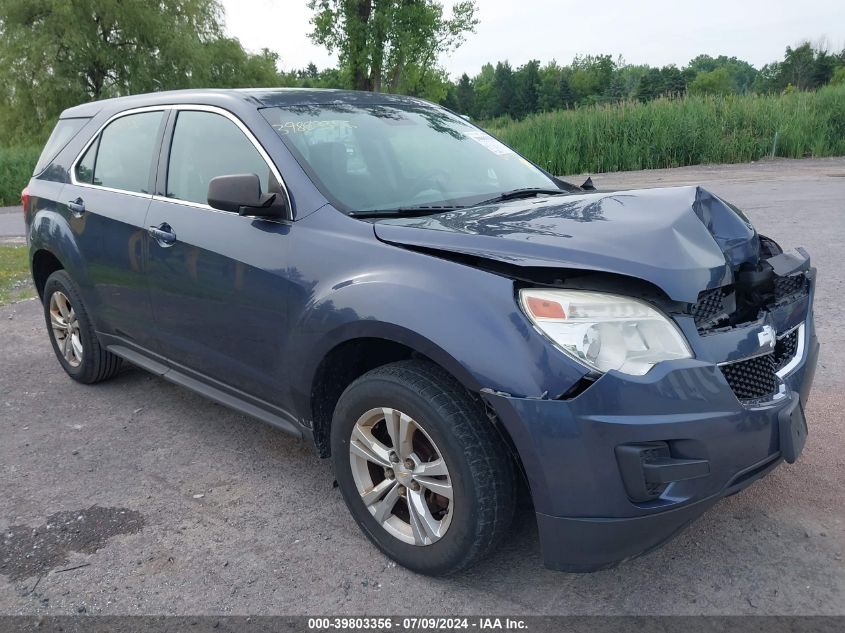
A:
686, 131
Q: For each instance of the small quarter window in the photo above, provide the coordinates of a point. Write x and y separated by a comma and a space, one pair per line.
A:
85, 166
206, 145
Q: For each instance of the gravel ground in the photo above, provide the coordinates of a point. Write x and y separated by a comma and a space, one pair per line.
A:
136, 496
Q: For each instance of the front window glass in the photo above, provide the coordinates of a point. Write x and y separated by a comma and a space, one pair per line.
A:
206, 145
399, 154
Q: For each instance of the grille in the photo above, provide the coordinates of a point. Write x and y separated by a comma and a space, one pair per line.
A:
752, 378
785, 349
709, 306
788, 286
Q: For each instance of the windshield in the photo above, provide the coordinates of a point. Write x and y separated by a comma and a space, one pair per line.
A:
399, 155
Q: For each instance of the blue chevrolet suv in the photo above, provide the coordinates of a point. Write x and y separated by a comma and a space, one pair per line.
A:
454, 327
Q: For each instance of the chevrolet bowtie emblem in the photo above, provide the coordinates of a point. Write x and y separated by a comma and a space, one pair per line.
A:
767, 337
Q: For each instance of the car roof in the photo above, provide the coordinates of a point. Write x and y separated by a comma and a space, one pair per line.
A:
257, 97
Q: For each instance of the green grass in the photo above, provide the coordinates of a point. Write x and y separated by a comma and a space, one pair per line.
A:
687, 131
16, 165
15, 282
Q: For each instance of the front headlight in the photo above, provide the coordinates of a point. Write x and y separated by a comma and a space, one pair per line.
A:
605, 331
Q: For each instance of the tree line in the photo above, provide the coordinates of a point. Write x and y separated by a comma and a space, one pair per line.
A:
501, 90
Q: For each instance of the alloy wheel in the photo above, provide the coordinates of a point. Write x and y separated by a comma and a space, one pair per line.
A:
401, 475
65, 328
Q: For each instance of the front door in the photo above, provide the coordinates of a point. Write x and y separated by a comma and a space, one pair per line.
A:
215, 278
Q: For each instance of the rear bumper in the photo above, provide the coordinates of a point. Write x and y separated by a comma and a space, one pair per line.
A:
586, 518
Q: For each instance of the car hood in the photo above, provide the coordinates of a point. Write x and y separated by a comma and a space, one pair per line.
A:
682, 239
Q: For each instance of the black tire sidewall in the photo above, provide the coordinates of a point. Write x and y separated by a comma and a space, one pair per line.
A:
447, 553
61, 281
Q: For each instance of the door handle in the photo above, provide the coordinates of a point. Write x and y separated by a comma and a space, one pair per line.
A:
76, 207
162, 234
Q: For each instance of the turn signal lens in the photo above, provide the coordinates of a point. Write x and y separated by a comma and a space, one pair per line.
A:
541, 308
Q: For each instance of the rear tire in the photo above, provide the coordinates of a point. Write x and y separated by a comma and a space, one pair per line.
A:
72, 332
412, 419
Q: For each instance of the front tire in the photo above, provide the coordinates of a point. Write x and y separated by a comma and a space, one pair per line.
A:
421, 467
72, 332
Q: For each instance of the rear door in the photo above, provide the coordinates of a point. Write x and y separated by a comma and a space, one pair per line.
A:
107, 202
216, 279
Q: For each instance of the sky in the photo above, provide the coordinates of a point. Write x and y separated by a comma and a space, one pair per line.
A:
654, 32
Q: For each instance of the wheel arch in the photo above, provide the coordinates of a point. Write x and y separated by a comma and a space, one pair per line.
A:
53, 243
356, 354
44, 263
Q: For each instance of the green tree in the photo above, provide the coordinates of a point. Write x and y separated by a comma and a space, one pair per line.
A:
798, 66
547, 91
307, 77
803, 67
485, 97
824, 66
673, 80
591, 75
626, 78
768, 79
714, 82
565, 92
527, 84
650, 85
223, 62
465, 96
742, 74
391, 45
503, 90
55, 54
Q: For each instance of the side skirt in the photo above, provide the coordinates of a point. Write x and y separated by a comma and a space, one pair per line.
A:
203, 385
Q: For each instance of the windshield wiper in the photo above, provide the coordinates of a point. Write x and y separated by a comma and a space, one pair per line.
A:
515, 194
404, 212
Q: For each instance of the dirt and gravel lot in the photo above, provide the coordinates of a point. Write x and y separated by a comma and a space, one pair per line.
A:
136, 496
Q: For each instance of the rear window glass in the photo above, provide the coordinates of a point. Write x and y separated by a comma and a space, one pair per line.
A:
65, 130
121, 158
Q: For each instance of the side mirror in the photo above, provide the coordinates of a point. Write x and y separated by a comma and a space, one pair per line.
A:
241, 194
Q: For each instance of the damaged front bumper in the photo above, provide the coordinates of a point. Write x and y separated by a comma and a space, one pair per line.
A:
625, 465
